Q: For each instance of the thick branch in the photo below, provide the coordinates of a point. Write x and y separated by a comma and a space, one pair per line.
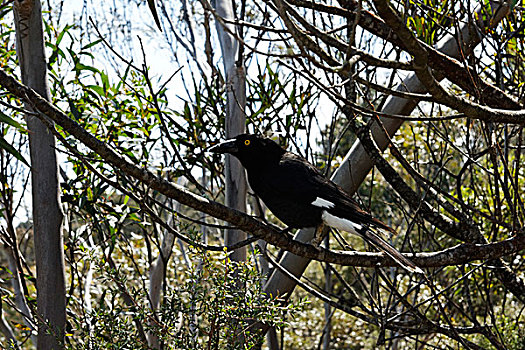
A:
422, 69
462, 230
455, 71
458, 255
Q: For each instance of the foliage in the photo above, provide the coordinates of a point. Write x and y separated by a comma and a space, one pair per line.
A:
212, 302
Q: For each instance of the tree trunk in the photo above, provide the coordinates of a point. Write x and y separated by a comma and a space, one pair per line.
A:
234, 72
158, 270
156, 279
18, 289
12, 255
47, 212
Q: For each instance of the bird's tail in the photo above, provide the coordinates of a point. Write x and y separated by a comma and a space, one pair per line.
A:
376, 240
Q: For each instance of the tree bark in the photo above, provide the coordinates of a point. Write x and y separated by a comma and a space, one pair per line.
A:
20, 298
6, 330
47, 211
12, 255
235, 119
156, 278
158, 271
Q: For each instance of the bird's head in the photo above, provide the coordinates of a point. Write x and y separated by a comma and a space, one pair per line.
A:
251, 150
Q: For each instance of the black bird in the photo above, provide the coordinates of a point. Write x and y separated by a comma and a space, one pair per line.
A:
300, 196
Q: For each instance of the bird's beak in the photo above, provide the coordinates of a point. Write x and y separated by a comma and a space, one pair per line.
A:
227, 146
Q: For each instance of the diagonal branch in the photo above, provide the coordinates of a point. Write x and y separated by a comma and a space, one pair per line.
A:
457, 72
456, 255
422, 69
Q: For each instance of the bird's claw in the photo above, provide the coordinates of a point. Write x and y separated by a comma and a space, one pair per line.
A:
318, 236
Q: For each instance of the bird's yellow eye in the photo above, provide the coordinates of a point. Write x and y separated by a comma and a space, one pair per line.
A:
247, 142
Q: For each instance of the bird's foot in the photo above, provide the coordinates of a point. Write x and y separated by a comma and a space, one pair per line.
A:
318, 236
316, 241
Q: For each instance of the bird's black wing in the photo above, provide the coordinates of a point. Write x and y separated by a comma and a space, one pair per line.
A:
298, 177
346, 207
290, 178
287, 190
319, 186
306, 189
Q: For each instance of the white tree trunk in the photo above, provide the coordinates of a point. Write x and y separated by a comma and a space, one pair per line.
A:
235, 76
16, 281
156, 277
47, 212
7, 331
158, 269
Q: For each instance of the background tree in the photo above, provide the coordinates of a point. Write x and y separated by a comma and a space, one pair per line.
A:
235, 118
47, 211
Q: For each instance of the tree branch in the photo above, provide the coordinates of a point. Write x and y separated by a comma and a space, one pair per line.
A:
457, 72
422, 69
457, 255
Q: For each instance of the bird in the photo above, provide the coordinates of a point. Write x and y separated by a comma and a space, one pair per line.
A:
299, 195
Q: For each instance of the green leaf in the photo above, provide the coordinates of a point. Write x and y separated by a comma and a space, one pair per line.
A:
4, 118
61, 35
105, 79
10, 149
79, 66
91, 44
98, 89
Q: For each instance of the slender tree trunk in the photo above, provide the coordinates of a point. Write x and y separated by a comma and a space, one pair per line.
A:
156, 278
272, 341
18, 289
47, 212
12, 255
235, 118
327, 331
235, 75
158, 270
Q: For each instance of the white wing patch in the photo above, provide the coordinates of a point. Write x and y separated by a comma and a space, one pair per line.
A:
323, 203
340, 223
